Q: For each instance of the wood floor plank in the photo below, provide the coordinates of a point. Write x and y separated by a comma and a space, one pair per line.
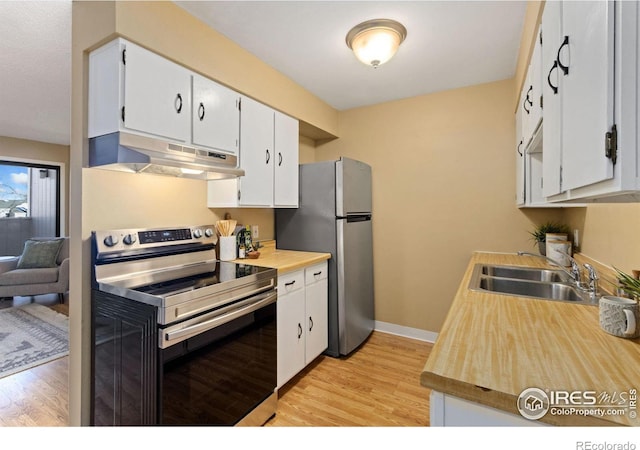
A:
379, 385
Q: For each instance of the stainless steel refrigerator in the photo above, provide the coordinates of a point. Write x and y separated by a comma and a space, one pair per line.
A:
334, 216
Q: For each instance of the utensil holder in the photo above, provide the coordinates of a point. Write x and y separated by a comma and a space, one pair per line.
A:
227, 248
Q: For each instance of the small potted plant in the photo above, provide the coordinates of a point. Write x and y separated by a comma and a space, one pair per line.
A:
629, 284
539, 235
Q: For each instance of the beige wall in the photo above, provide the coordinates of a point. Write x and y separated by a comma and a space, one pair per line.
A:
27, 150
443, 186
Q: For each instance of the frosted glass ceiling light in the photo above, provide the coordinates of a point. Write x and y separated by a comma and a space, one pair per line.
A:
374, 42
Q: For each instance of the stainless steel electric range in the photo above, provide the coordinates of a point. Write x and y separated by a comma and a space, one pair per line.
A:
180, 338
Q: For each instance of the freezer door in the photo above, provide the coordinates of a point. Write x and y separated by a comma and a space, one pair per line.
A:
353, 187
355, 282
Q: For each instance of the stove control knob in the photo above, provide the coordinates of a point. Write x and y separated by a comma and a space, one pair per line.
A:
129, 239
197, 233
110, 240
208, 232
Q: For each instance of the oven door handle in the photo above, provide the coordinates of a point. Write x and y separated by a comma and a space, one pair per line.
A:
169, 338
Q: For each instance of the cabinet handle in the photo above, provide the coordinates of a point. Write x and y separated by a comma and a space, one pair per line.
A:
524, 106
564, 68
290, 283
279, 158
178, 103
268, 156
299, 331
553, 88
528, 99
310, 323
201, 111
518, 148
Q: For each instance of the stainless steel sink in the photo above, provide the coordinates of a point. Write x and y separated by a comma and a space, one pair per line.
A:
525, 273
528, 282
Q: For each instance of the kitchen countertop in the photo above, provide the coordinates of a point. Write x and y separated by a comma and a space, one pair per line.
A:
492, 347
284, 260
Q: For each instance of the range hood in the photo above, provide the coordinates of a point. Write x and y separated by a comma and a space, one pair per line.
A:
126, 152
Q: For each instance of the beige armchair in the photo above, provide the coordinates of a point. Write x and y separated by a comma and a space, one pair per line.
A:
29, 282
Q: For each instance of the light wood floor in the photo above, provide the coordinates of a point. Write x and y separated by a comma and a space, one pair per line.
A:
379, 385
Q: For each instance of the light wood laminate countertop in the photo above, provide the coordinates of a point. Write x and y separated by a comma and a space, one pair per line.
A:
284, 260
492, 347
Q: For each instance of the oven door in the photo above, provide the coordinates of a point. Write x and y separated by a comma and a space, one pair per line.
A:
219, 367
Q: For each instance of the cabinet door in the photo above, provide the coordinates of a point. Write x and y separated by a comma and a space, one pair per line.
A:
291, 335
316, 318
552, 108
520, 160
526, 106
587, 109
216, 116
285, 188
256, 153
156, 95
535, 71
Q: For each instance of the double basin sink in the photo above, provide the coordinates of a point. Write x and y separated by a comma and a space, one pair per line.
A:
529, 282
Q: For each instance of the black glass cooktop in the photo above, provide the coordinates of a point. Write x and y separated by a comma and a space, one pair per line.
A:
224, 271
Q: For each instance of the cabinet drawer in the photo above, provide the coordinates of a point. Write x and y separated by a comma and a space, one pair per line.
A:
315, 273
290, 282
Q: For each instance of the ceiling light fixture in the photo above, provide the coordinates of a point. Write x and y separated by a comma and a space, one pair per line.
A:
374, 42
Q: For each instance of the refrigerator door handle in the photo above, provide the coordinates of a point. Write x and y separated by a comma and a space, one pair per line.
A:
340, 224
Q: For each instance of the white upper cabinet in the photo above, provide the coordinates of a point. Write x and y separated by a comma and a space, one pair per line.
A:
552, 100
286, 145
133, 89
257, 156
216, 115
269, 156
519, 144
590, 54
585, 57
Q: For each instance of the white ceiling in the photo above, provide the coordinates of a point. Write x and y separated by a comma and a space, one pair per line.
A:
449, 44
35, 70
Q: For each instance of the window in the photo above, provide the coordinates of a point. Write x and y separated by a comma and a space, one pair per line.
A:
29, 204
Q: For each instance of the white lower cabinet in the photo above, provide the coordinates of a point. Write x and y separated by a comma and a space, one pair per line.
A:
450, 411
302, 319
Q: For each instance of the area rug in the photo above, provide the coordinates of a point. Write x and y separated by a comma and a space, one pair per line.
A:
31, 335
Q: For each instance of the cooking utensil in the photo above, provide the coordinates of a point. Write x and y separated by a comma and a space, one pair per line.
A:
226, 227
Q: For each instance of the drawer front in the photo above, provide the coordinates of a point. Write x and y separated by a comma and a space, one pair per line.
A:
315, 273
290, 282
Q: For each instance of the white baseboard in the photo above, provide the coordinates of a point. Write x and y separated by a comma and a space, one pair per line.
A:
412, 333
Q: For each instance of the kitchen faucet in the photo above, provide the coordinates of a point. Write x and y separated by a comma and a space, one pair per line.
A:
575, 273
